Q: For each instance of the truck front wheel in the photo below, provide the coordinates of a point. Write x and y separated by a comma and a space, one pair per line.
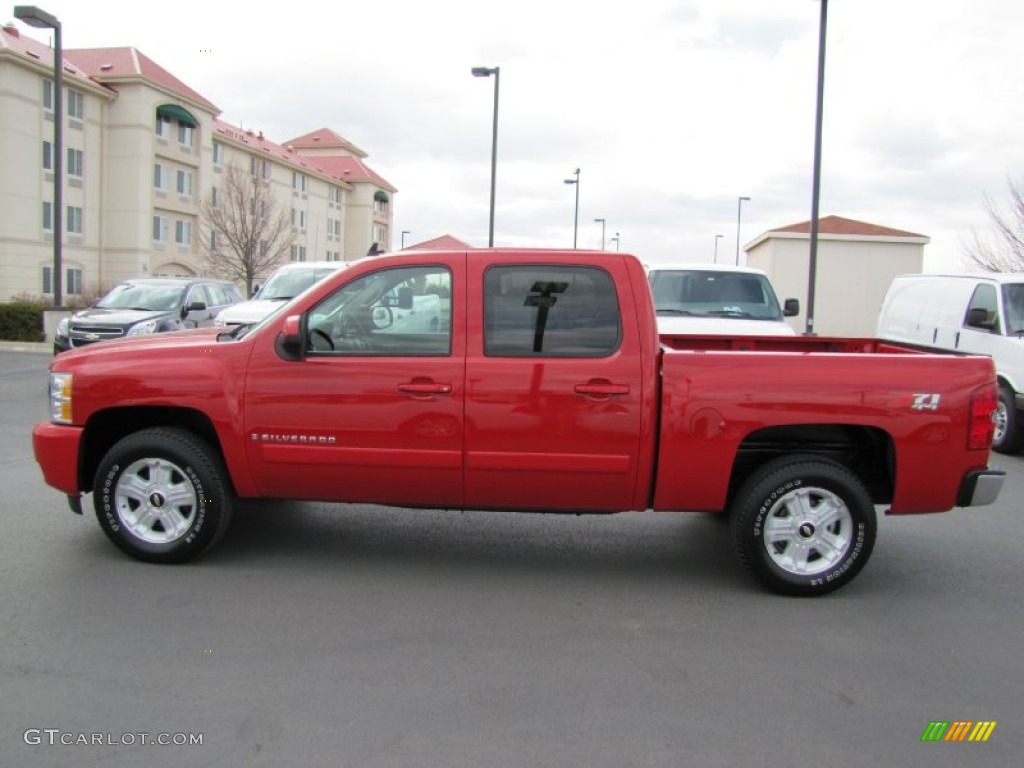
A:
1008, 435
803, 525
161, 495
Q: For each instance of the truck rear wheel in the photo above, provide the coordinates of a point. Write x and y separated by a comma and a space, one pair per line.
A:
161, 495
1008, 435
803, 525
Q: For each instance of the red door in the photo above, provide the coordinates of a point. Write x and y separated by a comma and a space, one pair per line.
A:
553, 386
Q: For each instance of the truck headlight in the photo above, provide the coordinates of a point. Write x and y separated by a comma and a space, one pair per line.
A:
142, 329
60, 398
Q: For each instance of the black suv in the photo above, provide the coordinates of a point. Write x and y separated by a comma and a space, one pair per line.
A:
147, 305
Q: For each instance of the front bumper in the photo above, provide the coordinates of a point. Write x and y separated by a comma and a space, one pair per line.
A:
980, 487
56, 448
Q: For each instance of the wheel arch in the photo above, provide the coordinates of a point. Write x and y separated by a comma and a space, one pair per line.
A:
868, 452
107, 427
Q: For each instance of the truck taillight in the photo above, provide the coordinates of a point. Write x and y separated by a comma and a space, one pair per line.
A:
984, 402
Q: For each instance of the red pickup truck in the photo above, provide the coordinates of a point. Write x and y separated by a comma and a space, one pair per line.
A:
516, 379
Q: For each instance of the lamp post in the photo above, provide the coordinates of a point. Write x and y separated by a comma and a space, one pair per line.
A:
812, 262
739, 209
717, 238
576, 216
602, 231
487, 72
36, 17
616, 241
404, 233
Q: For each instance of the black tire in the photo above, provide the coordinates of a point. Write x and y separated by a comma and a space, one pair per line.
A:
803, 525
1008, 436
162, 495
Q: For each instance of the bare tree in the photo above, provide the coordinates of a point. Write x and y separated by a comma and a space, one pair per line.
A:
1004, 251
245, 232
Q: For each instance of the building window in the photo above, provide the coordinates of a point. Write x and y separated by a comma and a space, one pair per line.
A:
298, 253
47, 216
213, 197
213, 240
299, 181
380, 234
47, 280
47, 156
159, 177
159, 229
183, 232
380, 207
76, 104
163, 126
218, 153
74, 162
334, 194
185, 183
48, 95
73, 282
259, 168
185, 134
74, 220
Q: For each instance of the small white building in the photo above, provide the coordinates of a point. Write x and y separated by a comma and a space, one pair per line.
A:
855, 264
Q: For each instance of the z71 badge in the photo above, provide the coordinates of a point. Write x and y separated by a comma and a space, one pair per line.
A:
925, 402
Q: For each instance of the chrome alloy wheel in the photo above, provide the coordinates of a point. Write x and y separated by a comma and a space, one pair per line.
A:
807, 531
1001, 419
155, 500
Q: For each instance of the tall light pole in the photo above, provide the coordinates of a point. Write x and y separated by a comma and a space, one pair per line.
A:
602, 231
487, 72
812, 264
404, 233
37, 17
576, 216
739, 209
717, 238
616, 241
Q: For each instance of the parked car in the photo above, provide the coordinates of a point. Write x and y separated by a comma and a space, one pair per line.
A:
147, 305
281, 287
718, 299
981, 314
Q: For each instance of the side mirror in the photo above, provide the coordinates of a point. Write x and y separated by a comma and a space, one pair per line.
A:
289, 341
979, 318
195, 306
791, 308
405, 297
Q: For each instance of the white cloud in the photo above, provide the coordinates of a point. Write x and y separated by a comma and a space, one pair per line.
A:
671, 109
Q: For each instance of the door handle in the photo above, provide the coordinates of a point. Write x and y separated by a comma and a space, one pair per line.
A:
602, 389
425, 388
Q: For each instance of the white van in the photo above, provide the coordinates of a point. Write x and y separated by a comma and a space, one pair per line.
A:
718, 300
287, 282
974, 313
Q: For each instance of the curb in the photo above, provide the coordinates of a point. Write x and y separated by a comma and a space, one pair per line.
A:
40, 347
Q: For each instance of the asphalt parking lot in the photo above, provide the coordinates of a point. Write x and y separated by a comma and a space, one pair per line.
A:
357, 636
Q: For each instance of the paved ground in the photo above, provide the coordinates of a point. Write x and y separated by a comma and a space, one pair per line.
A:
356, 636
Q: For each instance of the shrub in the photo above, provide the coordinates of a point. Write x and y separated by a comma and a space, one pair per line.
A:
22, 319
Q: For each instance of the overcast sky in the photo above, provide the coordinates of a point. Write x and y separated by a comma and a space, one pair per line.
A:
671, 109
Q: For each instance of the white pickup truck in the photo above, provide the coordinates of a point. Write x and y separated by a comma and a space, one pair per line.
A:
718, 299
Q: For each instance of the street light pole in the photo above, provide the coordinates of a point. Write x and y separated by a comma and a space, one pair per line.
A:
404, 233
616, 241
37, 17
576, 216
812, 263
739, 209
717, 238
487, 72
602, 231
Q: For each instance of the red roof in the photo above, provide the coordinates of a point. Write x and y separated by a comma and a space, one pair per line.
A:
108, 65
350, 169
12, 41
837, 225
442, 243
327, 139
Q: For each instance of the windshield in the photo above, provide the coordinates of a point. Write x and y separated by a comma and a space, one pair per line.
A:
286, 284
1013, 304
714, 293
143, 296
